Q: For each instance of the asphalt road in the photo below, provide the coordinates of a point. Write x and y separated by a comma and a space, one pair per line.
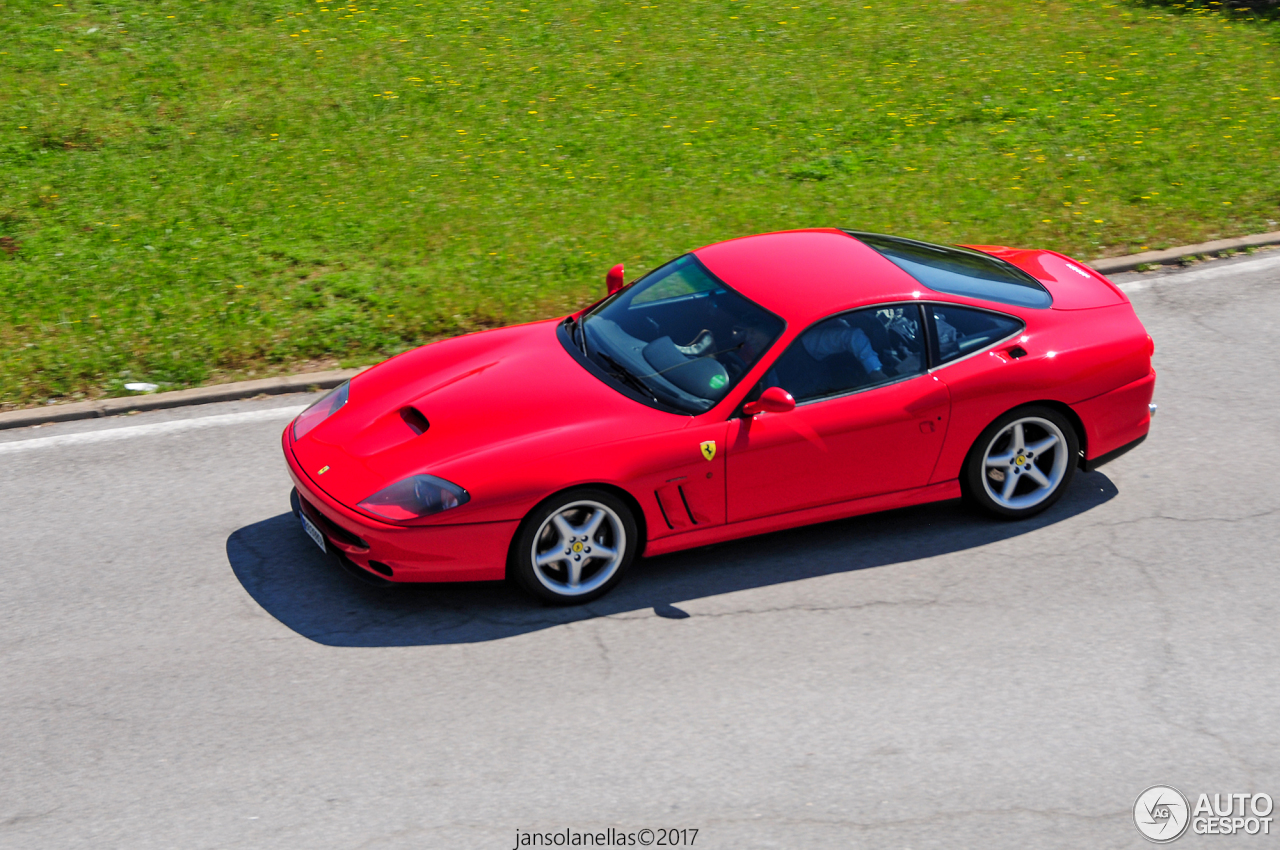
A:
181, 669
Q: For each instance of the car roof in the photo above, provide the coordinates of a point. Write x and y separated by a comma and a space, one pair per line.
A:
803, 275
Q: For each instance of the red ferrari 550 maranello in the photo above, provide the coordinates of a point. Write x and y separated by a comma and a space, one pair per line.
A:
748, 386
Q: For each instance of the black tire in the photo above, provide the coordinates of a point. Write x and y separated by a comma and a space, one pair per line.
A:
988, 484
572, 572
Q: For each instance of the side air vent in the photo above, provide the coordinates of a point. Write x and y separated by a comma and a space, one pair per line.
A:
674, 506
414, 419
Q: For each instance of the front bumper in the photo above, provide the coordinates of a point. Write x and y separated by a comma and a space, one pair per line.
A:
467, 552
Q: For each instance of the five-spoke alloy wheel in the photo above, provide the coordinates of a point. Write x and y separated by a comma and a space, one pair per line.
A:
1022, 463
574, 547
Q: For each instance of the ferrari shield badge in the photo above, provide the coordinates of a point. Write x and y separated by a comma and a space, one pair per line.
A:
709, 449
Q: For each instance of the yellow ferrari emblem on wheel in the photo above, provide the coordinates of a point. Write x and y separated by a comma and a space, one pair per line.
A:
709, 449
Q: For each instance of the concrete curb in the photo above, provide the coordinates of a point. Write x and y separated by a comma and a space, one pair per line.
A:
180, 398
327, 380
1114, 265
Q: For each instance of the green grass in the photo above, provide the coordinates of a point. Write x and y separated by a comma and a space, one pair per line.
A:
194, 191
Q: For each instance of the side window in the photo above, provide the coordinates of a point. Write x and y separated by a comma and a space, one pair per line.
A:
851, 352
958, 331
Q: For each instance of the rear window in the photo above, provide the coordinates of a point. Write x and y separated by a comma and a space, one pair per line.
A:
959, 271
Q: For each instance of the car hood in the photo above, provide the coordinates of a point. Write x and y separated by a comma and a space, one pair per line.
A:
488, 401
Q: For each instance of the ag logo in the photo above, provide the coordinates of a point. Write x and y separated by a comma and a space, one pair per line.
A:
709, 449
1161, 814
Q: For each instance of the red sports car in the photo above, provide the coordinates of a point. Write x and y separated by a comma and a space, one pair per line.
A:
748, 386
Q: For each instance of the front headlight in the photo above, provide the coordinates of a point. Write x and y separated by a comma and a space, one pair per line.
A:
320, 411
418, 496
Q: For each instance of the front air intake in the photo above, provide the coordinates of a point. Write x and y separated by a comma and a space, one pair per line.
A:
332, 530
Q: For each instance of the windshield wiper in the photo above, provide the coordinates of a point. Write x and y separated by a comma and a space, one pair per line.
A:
575, 330
620, 372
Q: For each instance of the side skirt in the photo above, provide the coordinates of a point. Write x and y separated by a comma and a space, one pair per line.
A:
825, 513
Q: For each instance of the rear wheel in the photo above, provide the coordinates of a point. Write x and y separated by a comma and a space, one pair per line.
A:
1022, 463
575, 547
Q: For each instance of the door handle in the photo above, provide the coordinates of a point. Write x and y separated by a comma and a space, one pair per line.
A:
929, 425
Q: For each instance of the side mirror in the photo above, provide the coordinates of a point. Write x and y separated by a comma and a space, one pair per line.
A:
772, 400
614, 278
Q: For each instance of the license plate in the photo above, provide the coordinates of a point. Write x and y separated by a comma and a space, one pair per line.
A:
314, 533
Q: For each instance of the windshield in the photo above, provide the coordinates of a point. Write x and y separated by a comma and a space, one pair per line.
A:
679, 336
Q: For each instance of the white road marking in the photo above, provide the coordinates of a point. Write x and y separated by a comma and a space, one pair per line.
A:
152, 429
1208, 273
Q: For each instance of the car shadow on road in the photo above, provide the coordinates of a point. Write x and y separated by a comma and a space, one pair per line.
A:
311, 594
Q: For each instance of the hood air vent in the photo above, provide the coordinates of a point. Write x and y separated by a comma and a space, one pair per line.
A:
414, 419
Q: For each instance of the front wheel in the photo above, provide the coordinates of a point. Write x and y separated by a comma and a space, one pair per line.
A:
1022, 463
575, 547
